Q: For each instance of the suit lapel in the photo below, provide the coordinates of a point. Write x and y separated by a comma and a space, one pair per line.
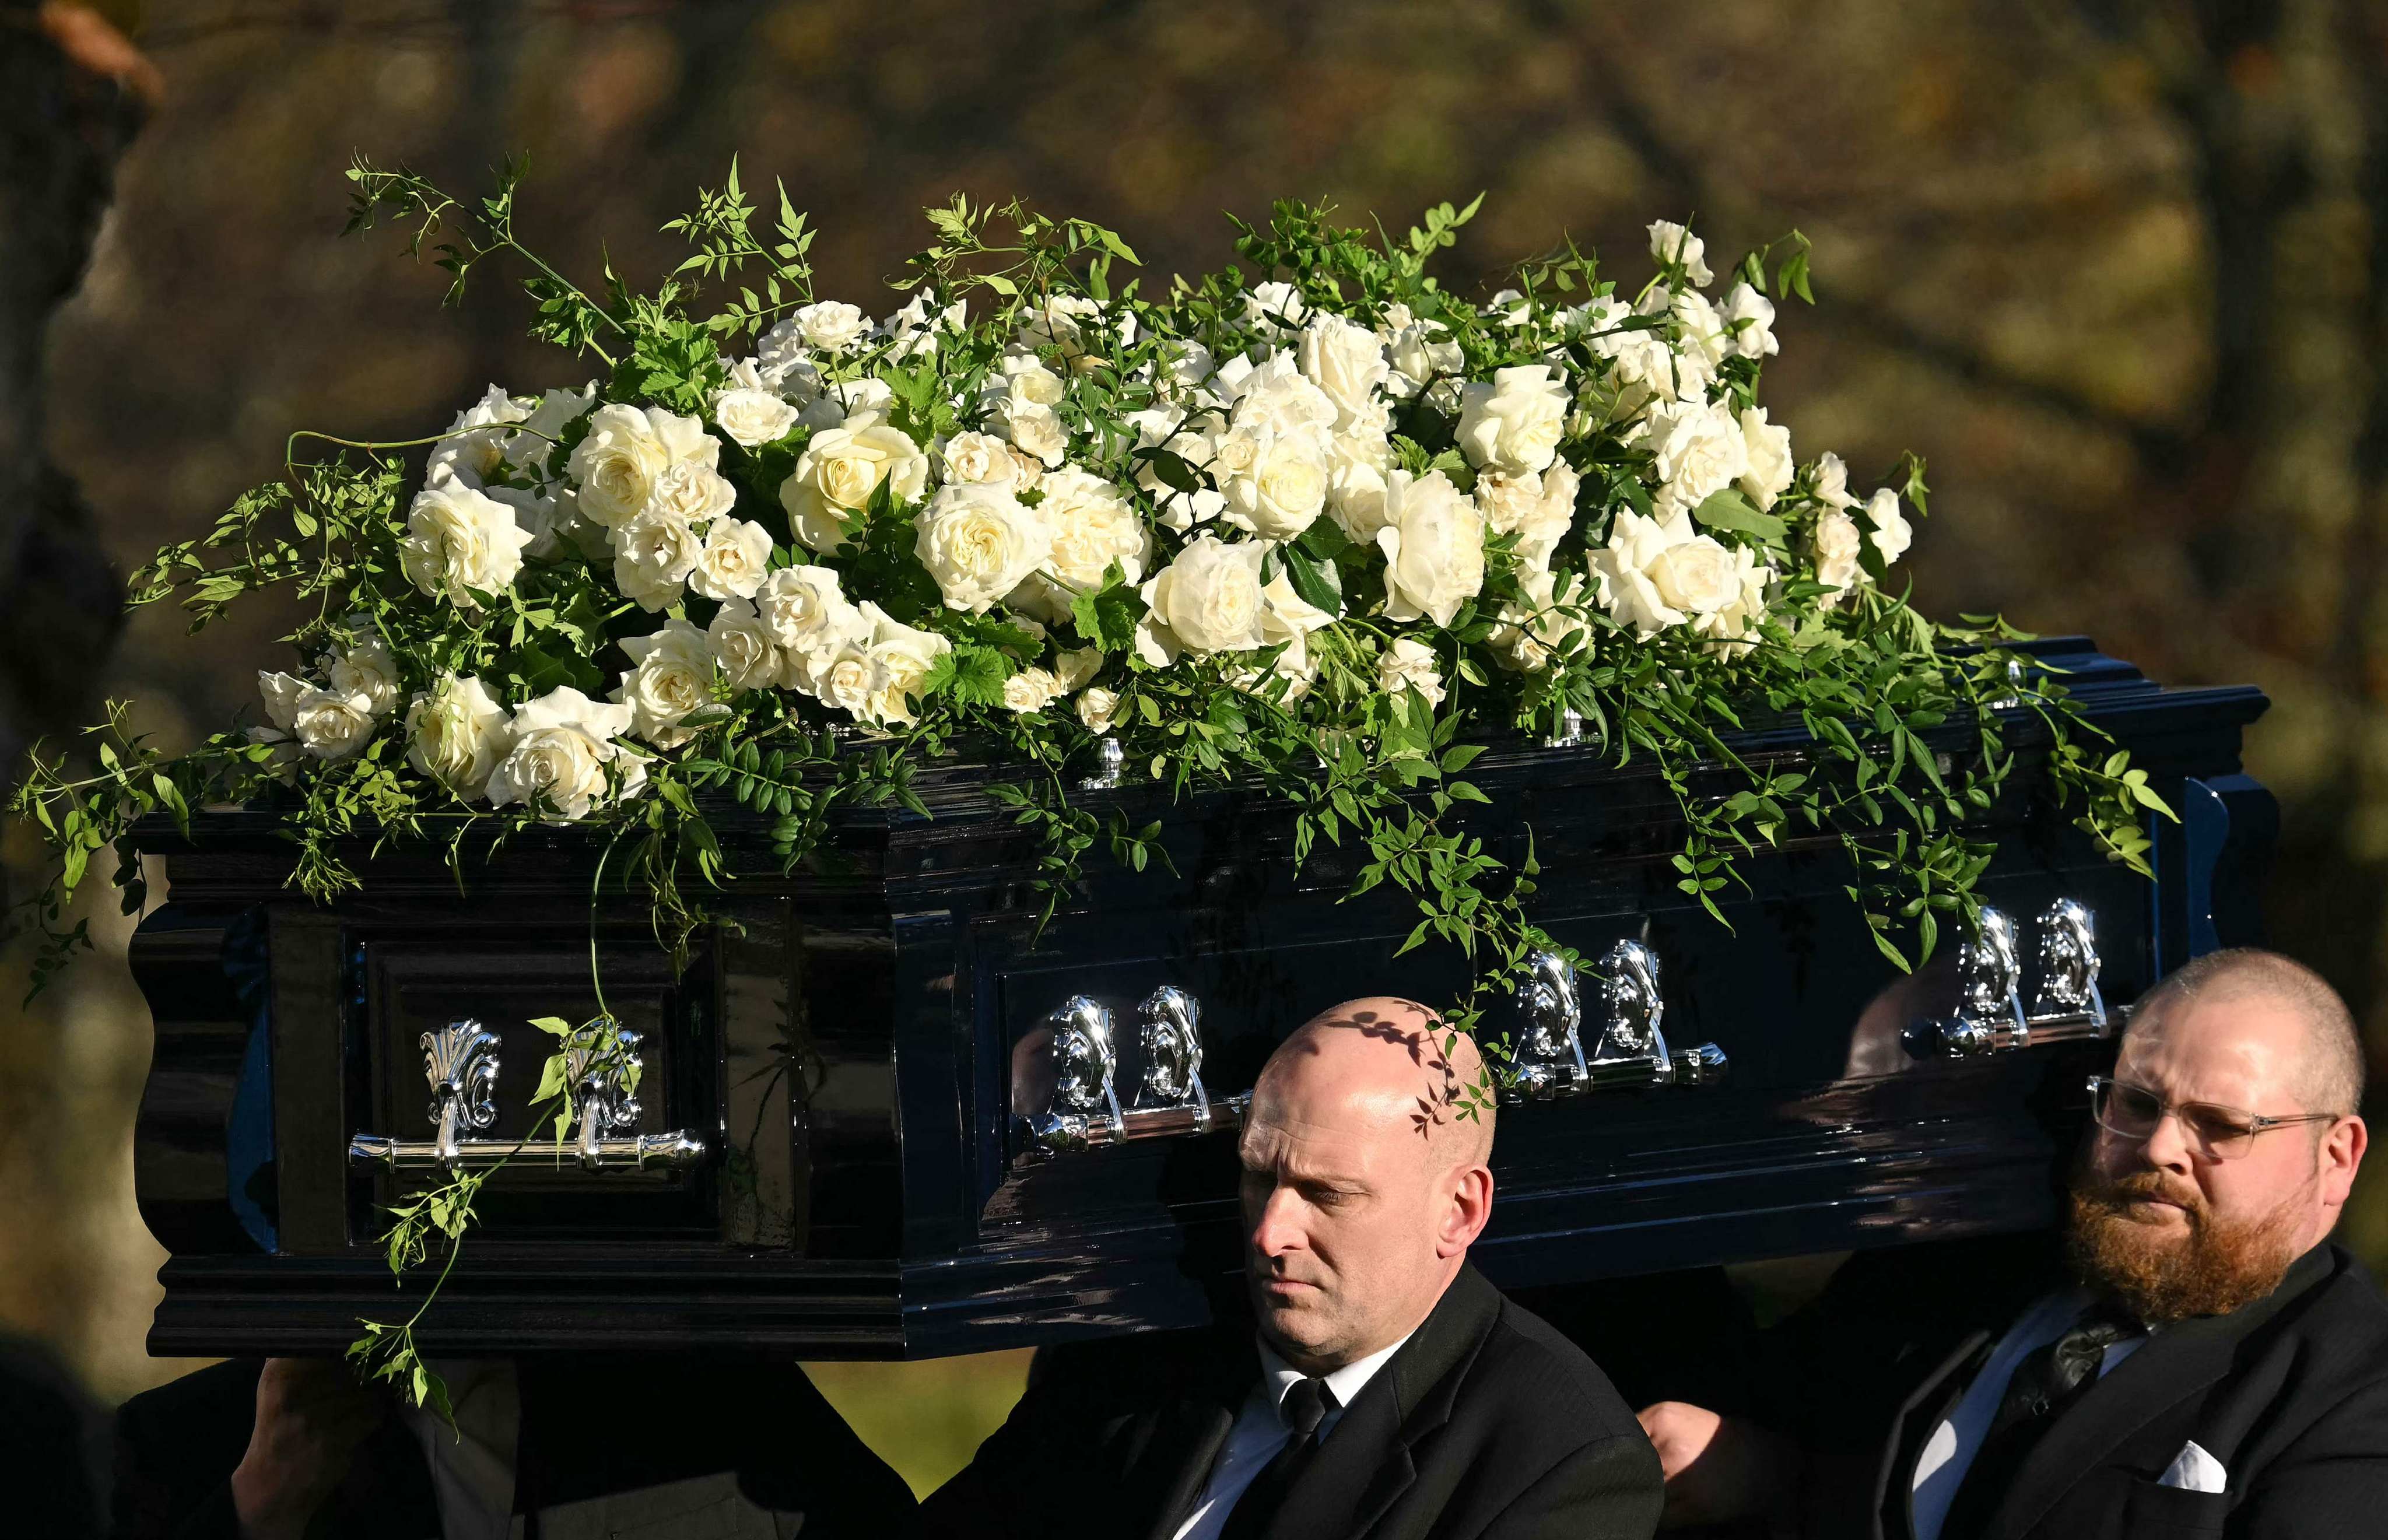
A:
1366, 1464
1915, 1421
1166, 1471
2174, 1364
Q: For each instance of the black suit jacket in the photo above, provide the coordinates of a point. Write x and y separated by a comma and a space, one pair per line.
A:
591, 1428
1487, 1424
2289, 1394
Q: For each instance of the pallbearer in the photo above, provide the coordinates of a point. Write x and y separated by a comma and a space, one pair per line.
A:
1380, 1384
2202, 1362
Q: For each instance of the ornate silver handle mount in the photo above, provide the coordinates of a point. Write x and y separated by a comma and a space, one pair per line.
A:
1991, 1017
459, 1060
1082, 1108
1629, 1046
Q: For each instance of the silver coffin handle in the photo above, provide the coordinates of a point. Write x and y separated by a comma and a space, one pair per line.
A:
1989, 1014
1992, 1018
674, 1152
1083, 1109
1630, 1049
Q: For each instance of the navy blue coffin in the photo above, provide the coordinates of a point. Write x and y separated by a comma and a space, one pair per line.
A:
880, 1117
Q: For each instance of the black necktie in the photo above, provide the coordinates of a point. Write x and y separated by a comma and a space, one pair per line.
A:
1304, 1405
2049, 1380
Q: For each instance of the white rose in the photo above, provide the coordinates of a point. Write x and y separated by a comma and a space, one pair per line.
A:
1036, 431
839, 470
1671, 243
1433, 541
736, 557
1207, 601
911, 332
1062, 321
616, 467
1288, 614
549, 514
1833, 481
1892, 534
1539, 510
1357, 466
1274, 309
473, 448
1410, 665
561, 745
1346, 361
1768, 447
1074, 666
783, 362
459, 541
979, 458
836, 404
672, 677
979, 541
653, 553
693, 493
1732, 627
281, 693
1280, 488
808, 614
1654, 575
1705, 340
533, 443
1294, 664
845, 678
367, 667
900, 658
1749, 316
1836, 543
1419, 352
1647, 370
749, 411
1513, 424
1510, 309
1698, 576
456, 736
743, 646
330, 724
831, 327
1092, 525
1274, 394
1031, 690
1698, 450
1099, 709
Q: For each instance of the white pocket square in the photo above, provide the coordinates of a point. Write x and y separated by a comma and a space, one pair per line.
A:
2193, 1470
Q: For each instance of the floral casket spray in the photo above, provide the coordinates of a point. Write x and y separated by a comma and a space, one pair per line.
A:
805, 838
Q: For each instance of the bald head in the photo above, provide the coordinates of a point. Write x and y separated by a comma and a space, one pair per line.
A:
1364, 1178
2328, 1068
1398, 1067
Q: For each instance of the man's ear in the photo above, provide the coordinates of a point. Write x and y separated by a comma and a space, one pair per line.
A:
1464, 1216
2340, 1156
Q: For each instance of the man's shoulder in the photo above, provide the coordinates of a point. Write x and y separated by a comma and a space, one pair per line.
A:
1528, 1373
2341, 1324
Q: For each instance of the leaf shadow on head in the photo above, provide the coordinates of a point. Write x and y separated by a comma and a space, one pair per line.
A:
1429, 1047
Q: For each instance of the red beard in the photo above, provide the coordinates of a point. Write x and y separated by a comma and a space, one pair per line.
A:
2161, 1276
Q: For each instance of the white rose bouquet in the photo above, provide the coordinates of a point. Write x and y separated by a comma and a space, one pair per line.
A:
1314, 522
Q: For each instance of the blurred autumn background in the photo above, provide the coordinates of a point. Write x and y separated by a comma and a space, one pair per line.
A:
2118, 269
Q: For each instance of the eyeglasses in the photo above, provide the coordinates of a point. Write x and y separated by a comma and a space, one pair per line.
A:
2218, 1133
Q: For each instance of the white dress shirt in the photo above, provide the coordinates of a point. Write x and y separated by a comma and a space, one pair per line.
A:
1261, 1431
1949, 1452
472, 1469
